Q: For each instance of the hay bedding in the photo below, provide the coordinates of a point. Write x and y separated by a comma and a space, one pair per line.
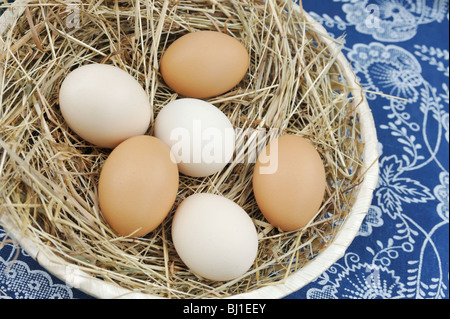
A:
49, 175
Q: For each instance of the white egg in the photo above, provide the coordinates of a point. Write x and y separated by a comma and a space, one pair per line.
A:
214, 237
201, 137
104, 104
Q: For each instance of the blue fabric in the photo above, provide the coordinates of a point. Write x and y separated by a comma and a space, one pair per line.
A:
398, 48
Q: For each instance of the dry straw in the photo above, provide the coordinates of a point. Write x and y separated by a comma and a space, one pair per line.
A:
49, 175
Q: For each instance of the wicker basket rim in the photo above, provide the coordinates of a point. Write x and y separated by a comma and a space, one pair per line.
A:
80, 280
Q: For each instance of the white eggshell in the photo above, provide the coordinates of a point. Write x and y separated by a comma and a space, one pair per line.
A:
214, 237
200, 136
104, 104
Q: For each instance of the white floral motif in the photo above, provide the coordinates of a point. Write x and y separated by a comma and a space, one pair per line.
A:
393, 190
358, 281
445, 125
392, 70
393, 20
373, 283
29, 284
442, 194
372, 219
18, 281
434, 56
388, 69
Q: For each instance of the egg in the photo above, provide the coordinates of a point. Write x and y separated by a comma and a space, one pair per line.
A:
104, 105
204, 64
200, 136
289, 182
214, 237
138, 185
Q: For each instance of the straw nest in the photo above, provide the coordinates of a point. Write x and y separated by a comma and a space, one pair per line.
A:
49, 175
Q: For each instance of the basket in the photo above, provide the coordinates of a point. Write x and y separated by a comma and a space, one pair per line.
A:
333, 245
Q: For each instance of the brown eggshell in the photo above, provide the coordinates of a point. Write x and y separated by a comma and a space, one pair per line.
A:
204, 64
138, 185
289, 182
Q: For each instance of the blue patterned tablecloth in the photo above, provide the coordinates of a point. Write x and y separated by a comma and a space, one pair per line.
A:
398, 48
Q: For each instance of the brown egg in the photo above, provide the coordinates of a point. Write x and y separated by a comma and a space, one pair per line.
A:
289, 182
138, 185
204, 64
